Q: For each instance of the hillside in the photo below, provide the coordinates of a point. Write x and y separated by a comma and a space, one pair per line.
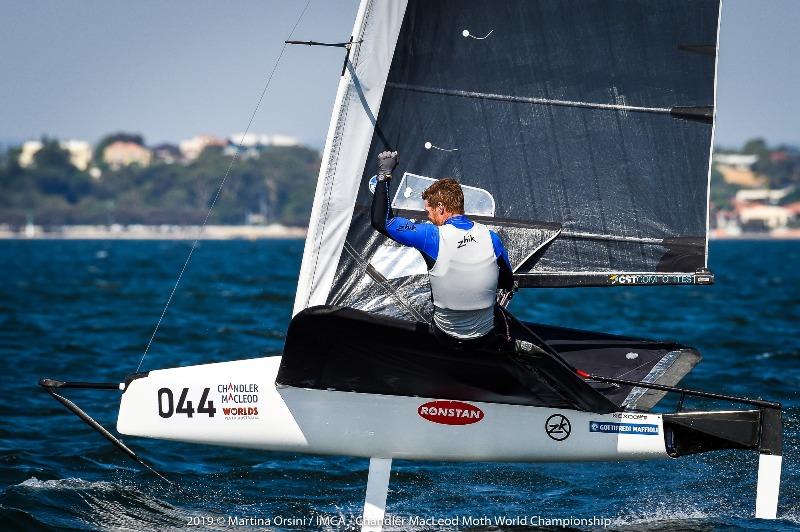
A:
277, 184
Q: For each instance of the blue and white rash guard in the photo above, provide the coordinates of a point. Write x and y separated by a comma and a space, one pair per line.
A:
466, 262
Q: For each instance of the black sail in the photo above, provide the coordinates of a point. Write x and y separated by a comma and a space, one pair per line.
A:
588, 122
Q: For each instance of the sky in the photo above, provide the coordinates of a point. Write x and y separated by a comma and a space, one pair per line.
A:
170, 70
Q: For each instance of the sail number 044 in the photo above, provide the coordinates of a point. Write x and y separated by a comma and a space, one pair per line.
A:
167, 407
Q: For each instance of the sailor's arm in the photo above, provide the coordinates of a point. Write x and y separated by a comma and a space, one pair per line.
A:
402, 230
381, 211
505, 279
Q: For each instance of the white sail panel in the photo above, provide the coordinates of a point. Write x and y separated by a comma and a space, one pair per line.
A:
358, 99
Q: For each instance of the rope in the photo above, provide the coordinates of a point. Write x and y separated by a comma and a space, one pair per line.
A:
221, 184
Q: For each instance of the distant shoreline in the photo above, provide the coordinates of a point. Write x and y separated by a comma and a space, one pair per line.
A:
238, 232
154, 232
788, 234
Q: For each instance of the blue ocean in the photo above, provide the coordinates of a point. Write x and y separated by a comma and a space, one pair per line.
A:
85, 310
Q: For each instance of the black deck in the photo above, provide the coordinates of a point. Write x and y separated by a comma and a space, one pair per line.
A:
343, 349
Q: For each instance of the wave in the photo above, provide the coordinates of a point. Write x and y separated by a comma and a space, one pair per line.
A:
78, 503
67, 484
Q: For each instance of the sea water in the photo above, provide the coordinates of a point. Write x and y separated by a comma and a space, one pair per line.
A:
85, 310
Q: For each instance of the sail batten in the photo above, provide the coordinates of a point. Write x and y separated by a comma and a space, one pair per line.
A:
530, 99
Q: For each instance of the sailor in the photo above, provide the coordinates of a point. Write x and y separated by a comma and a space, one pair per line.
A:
467, 263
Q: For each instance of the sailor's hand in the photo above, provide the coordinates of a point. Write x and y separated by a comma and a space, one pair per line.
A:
387, 160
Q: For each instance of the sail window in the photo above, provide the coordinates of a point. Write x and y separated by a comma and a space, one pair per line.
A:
477, 201
394, 262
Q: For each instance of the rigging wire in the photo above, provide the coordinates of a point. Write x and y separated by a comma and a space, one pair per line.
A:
221, 184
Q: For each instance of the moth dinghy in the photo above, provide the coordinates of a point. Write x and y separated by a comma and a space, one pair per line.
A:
581, 131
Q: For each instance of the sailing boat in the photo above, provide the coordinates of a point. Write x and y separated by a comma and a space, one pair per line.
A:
582, 133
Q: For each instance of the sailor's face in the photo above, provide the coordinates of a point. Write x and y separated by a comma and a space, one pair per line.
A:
433, 213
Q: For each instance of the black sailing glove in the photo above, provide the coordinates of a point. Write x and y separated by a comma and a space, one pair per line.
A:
387, 160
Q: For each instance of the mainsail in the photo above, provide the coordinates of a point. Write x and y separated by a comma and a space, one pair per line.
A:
583, 127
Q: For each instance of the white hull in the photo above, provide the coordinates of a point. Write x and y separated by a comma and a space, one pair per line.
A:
368, 425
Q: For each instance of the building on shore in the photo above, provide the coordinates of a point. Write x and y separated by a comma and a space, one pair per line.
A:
80, 153
743, 161
193, 147
765, 217
28, 152
737, 169
725, 223
122, 153
249, 145
257, 140
243, 153
763, 194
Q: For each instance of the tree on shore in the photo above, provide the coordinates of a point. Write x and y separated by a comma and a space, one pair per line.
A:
55, 175
278, 183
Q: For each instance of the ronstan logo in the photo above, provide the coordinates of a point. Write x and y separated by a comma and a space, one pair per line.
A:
466, 240
450, 412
